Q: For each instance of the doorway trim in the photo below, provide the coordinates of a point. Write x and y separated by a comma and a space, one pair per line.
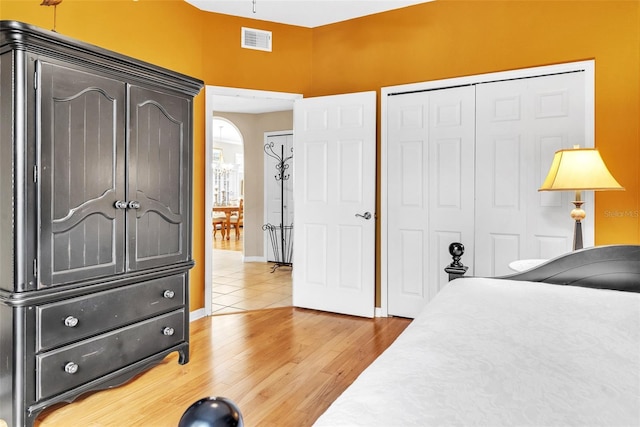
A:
215, 95
588, 67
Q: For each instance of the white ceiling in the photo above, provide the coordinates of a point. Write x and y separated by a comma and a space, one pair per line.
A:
303, 13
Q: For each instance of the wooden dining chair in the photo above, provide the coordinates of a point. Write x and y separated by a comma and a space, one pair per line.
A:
237, 219
219, 221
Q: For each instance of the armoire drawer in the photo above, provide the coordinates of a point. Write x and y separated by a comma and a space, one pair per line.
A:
68, 367
70, 320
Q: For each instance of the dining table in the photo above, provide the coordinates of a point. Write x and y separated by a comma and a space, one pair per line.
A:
228, 210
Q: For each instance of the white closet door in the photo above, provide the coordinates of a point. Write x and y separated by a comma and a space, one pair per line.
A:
520, 124
464, 164
430, 191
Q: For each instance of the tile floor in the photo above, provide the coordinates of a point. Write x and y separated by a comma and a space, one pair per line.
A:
242, 286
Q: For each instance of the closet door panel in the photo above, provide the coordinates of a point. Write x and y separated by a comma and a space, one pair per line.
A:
430, 191
560, 116
82, 175
451, 185
159, 166
520, 124
408, 214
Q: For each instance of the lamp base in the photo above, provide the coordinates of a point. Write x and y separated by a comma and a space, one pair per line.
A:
577, 236
578, 214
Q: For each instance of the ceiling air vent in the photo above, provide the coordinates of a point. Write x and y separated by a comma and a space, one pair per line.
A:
256, 39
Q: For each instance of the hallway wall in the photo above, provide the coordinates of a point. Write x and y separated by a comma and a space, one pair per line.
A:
253, 127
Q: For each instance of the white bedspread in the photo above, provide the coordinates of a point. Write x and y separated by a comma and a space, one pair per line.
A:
489, 352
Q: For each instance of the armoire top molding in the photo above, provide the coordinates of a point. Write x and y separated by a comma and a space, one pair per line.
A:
15, 35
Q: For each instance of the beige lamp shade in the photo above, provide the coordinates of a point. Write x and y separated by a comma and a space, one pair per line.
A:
579, 169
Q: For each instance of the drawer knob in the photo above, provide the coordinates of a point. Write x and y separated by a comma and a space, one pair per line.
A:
71, 368
169, 294
168, 331
71, 321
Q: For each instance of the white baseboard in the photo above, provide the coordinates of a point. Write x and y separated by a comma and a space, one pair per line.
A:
198, 314
254, 259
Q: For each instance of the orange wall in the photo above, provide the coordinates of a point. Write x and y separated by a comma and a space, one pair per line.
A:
286, 69
441, 39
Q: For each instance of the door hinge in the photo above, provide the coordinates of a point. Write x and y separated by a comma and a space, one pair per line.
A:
35, 173
35, 268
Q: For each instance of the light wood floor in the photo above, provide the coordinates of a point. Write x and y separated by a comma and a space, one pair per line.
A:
283, 367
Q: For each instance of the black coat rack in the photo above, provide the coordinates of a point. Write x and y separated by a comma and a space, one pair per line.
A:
281, 235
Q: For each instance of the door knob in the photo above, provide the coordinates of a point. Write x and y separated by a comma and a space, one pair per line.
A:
367, 215
120, 204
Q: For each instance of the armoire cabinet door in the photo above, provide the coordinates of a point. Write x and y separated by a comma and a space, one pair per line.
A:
82, 146
158, 175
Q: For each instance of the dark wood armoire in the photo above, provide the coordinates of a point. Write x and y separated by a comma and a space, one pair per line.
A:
95, 218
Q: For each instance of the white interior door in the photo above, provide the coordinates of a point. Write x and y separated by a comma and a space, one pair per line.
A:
520, 125
430, 191
334, 182
278, 187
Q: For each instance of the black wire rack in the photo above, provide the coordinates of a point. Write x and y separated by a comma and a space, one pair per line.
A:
281, 237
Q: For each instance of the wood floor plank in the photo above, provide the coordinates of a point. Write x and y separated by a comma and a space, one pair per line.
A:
283, 367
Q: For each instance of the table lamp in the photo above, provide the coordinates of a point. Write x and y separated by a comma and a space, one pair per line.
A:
576, 170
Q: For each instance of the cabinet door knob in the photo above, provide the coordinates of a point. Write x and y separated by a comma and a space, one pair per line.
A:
71, 321
120, 204
71, 368
169, 294
168, 331
134, 204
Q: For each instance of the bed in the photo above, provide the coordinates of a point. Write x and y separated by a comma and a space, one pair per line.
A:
557, 345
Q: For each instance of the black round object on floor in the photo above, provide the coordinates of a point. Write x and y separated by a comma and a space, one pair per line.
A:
212, 412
